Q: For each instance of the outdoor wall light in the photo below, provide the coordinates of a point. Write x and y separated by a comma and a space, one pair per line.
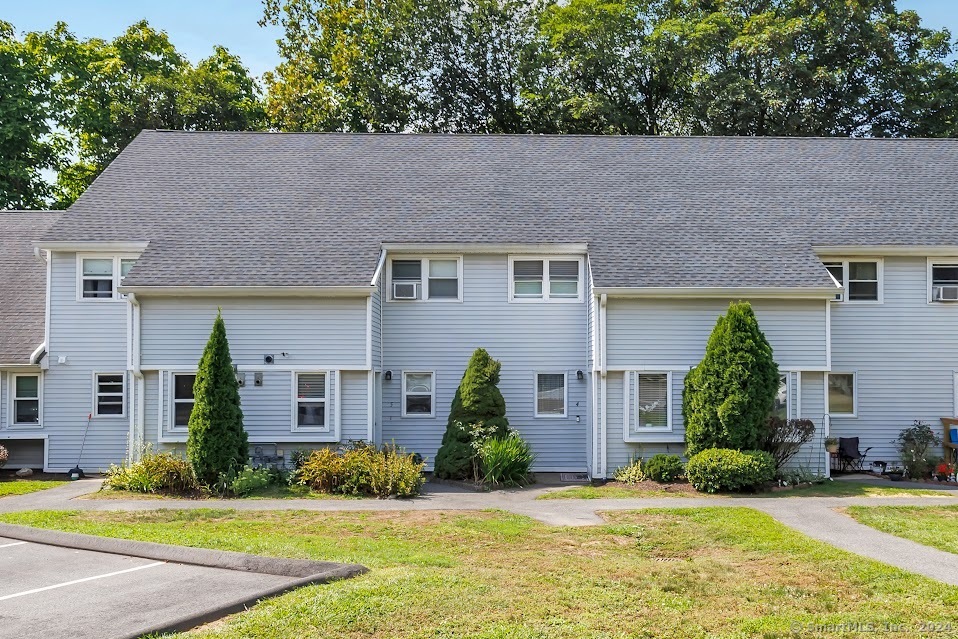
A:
579, 375
388, 375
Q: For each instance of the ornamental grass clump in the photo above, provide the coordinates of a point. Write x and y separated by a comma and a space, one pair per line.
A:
361, 469
154, 473
506, 461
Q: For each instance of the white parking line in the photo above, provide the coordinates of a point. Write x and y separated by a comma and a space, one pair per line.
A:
16, 543
79, 581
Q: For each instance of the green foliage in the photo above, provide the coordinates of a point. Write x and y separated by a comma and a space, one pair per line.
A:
506, 461
477, 402
217, 442
362, 469
4, 456
251, 479
27, 146
782, 438
722, 469
918, 448
154, 473
663, 468
631, 474
728, 396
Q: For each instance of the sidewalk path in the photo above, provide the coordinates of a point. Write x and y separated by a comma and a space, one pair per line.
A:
816, 517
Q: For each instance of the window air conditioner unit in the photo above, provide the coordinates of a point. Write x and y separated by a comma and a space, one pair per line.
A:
947, 294
405, 290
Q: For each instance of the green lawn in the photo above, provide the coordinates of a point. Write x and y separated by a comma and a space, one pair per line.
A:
707, 572
23, 486
270, 492
935, 526
618, 490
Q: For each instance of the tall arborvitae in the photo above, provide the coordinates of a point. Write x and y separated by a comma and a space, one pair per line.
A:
217, 442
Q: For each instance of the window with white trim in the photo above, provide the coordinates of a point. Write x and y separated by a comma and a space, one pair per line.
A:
418, 394
545, 279
943, 278
311, 395
109, 394
842, 394
182, 388
99, 276
426, 278
550, 395
652, 402
781, 407
861, 279
25, 397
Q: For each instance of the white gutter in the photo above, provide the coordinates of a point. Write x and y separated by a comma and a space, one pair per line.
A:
775, 292
603, 314
137, 414
255, 291
36, 355
92, 246
577, 248
379, 268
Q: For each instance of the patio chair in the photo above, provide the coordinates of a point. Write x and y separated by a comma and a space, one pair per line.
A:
950, 447
849, 455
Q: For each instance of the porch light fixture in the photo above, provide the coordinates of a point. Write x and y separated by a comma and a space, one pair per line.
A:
388, 375
579, 375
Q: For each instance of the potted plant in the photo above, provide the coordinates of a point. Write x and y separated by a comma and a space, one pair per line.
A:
831, 444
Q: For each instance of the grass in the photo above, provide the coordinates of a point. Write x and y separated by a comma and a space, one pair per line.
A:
935, 526
273, 491
645, 489
24, 486
706, 572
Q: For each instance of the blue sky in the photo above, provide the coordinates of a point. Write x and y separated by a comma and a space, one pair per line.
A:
195, 26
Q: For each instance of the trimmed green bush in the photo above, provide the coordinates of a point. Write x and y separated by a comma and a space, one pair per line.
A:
729, 395
477, 401
664, 468
631, 474
217, 443
154, 473
250, 480
362, 469
722, 469
506, 461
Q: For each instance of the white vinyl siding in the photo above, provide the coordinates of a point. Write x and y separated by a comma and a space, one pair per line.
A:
551, 395
109, 394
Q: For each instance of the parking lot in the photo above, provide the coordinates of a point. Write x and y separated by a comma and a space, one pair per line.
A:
51, 591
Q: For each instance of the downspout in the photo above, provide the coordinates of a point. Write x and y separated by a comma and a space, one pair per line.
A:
136, 419
603, 314
38, 354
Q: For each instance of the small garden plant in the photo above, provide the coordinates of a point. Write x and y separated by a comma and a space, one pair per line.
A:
363, 470
917, 448
506, 461
723, 469
631, 474
664, 468
155, 473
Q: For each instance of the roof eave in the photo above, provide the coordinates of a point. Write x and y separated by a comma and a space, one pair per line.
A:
249, 291
91, 246
753, 292
876, 250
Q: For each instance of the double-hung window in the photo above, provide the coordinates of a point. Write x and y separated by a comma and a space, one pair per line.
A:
109, 394
101, 275
25, 399
311, 393
943, 278
550, 395
427, 278
652, 402
418, 394
861, 279
842, 394
182, 399
545, 279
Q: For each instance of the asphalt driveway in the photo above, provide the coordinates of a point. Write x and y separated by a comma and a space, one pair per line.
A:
51, 591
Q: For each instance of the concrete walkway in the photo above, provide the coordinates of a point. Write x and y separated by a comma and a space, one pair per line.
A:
816, 517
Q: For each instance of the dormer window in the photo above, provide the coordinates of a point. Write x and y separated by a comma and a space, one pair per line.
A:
99, 276
861, 279
427, 278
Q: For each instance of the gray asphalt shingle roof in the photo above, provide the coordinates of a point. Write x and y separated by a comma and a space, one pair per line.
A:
22, 284
277, 209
